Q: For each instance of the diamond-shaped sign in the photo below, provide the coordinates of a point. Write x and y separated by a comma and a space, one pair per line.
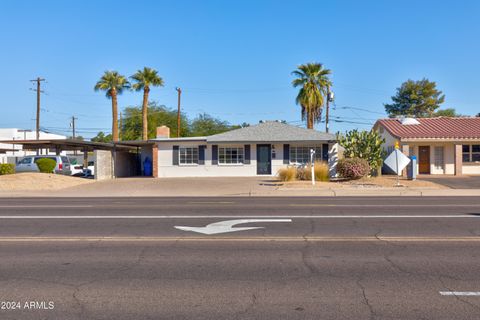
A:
397, 157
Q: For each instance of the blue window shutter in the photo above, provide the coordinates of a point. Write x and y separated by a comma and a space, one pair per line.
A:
175, 155
325, 152
286, 154
247, 154
201, 154
214, 154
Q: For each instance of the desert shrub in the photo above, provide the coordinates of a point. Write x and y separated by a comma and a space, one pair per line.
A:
321, 172
287, 174
353, 168
46, 165
7, 168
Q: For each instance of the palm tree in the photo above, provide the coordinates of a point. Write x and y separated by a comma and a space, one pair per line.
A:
312, 78
143, 80
113, 83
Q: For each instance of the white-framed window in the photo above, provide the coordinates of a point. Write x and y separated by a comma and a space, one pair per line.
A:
301, 154
230, 155
438, 153
471, 153
188, 155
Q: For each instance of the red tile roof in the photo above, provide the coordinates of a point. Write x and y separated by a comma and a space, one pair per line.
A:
434, 128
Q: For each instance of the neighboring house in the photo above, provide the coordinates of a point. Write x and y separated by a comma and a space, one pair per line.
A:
442, 145
13, 150
260, 149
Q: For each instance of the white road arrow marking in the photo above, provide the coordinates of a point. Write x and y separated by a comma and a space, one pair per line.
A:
227, 226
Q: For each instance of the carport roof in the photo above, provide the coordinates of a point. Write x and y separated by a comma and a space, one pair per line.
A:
67, 144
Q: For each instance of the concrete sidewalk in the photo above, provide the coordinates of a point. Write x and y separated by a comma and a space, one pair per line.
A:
210, 187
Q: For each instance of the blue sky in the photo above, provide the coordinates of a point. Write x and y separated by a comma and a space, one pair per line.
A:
232, 59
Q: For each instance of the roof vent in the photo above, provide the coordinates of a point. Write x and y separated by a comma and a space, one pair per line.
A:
408, 121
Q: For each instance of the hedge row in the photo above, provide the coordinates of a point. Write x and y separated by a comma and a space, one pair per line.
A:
7, 168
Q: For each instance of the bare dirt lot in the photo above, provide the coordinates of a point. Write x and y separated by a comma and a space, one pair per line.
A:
32, 181
368, 182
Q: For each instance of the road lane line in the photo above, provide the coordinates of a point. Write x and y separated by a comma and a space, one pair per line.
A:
41, 206
460, 293
239, 216
211, 202
239, 239
380, 205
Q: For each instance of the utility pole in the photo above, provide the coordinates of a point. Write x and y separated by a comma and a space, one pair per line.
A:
178, 112
73, 131
327, 115
38, 81
73, 127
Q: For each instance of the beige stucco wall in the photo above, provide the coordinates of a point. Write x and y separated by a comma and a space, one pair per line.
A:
167, 169
471, 169
448, 166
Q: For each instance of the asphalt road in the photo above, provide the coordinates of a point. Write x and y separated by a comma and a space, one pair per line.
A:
326, 258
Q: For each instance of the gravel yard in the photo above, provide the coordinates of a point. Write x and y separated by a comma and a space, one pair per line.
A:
372, 182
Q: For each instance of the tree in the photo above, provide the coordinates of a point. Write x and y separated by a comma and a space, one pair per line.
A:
144, 79
113, 84
478, 115
158, 115
102, 137
416, 98
449, 112
313, 81
80, 138
364, 145
206, 125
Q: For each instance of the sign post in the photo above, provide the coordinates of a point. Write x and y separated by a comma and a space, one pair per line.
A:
397, 147
397, 161
312, 164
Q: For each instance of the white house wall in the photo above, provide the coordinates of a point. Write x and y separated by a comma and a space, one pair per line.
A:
167, 169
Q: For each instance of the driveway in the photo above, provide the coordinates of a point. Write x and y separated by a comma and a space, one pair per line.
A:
463, 182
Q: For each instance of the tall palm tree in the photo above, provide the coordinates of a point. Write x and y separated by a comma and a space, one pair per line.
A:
144, 79
113, 83
312, 78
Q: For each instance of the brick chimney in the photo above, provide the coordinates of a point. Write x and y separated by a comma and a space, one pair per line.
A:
163, 132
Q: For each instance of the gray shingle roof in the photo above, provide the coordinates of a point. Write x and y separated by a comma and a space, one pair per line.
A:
271, 131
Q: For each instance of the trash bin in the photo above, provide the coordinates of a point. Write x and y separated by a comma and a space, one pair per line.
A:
147, 167
412, 168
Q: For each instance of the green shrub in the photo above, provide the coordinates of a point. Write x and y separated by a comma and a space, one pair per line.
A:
321, 172
287, 174
46, 165
353, 168
7, 168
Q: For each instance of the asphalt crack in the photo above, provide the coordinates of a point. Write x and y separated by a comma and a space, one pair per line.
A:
366, 301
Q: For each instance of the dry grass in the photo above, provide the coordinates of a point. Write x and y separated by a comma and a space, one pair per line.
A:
32, 181
287, 174
321, 172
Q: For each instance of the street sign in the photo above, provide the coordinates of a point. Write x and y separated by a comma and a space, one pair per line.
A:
227, 226
397, 161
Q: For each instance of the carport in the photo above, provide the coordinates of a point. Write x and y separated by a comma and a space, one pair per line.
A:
111, 159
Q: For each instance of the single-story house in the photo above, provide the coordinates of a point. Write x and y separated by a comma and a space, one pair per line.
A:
260, 149
442, 145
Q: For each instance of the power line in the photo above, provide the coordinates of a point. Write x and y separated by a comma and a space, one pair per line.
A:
360, 109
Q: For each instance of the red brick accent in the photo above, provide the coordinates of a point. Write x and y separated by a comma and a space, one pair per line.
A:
155, 161
458, 160
163, 132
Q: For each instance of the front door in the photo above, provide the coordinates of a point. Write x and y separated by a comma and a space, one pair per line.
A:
424, 159
264, 159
